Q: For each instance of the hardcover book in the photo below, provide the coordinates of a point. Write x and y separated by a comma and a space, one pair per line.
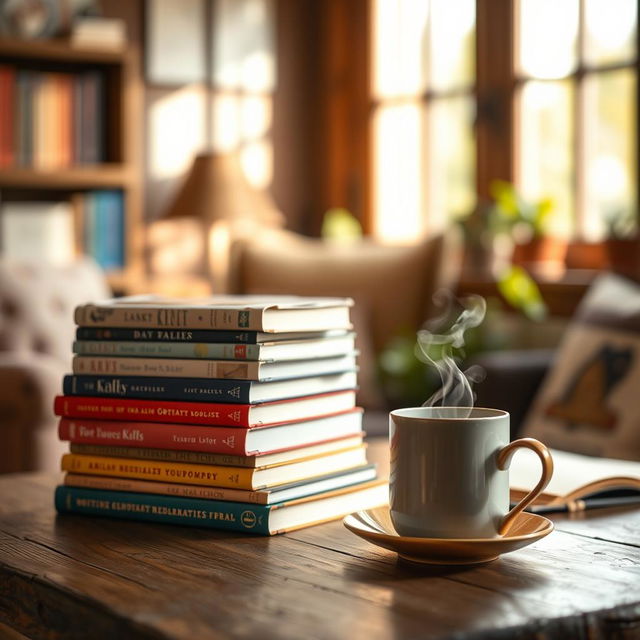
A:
258, 313
204, 457
206, 390
225, 369
270, 495
227, 440
214, 475
198, 335
266, 351
209, 413
232, 516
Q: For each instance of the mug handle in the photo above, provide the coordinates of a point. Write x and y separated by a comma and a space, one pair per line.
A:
504, 459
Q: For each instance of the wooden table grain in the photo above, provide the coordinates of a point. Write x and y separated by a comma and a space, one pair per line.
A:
80, 577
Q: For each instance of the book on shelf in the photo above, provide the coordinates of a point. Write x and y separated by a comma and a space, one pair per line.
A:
215, 475
90, 32
578, 482
205, 413
40, 231
199, 335
203, 457
265, 351
51, 120
205, 368
233, 516
7, 116
102, 212
253, 313
205, 390
270, 495
226, 440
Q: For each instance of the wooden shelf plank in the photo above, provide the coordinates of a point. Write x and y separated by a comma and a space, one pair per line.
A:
60, 50
94, 176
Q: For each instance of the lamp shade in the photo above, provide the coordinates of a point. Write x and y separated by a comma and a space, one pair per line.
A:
216, 189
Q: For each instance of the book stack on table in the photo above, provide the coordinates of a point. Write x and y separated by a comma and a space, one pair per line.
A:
234, 413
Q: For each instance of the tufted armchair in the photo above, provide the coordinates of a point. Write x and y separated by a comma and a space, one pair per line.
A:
36, 332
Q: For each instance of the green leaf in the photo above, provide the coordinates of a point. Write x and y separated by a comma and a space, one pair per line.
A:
520, 290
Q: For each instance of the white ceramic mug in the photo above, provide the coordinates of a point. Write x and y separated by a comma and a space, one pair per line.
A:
449, 472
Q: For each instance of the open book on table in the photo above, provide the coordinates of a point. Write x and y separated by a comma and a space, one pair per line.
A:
578, 482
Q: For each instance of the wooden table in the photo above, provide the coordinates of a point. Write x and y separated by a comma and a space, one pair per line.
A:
80, 577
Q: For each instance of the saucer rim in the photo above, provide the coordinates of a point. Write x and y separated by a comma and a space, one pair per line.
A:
548, 528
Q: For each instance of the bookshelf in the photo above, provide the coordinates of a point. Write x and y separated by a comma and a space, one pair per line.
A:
119, 166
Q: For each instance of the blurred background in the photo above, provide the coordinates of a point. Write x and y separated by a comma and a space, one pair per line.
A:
194, 146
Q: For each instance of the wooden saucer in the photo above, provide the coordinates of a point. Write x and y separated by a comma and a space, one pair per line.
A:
375, 526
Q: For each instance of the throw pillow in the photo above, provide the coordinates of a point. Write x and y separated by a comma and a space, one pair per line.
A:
588, 402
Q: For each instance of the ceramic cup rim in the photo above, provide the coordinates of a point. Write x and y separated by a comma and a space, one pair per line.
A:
482, 414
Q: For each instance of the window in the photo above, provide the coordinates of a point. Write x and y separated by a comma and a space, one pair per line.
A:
542, 93
576, 110
422, 114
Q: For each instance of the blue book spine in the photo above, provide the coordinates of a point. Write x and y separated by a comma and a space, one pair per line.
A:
214, 514
193, 389
167, 335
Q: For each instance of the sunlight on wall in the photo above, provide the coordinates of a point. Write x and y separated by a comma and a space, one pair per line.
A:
175, 132
243, 77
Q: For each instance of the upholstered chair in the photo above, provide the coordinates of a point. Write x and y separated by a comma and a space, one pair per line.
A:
36, 332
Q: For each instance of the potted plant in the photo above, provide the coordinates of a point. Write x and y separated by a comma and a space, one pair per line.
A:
537, 246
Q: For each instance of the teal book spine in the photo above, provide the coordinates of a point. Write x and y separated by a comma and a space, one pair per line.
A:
214, 514
219, 351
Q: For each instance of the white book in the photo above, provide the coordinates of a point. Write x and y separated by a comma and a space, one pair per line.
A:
38, 231
576, 478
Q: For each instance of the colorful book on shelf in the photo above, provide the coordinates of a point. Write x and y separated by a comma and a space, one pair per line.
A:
254, 313
266, 351
7, 116
205, 413
205, 368
25, 83
579, 482
227, 440
214, 475
202, 457
205, 390
198, 335
104, 227
231, 516
270, 495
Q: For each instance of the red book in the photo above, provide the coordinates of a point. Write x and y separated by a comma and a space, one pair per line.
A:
229, 440
223, 414
7, 115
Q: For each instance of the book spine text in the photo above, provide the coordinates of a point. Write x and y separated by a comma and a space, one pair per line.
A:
178, 472
231, 415
219, 440
168, 317
232, 516
193, 389
167, 367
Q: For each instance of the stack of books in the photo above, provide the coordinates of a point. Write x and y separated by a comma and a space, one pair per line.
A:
235, 413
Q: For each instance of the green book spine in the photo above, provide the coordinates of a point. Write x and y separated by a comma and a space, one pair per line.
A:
214, 514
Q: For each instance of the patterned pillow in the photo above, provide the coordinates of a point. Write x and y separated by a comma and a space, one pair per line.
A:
589, 401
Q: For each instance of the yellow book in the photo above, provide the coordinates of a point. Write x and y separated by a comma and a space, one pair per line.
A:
214, 475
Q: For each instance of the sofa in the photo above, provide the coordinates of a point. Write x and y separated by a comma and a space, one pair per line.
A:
392, 287
36, 332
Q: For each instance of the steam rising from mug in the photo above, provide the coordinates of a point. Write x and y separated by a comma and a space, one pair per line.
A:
440, 337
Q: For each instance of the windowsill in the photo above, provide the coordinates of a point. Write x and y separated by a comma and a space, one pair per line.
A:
561, 295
